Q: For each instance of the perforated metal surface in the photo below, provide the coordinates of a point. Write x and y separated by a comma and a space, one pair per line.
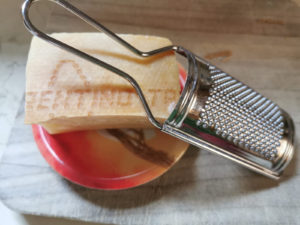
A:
237, 113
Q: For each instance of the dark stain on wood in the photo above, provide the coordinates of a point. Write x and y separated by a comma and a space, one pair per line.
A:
223, 55
135, 142
270, 21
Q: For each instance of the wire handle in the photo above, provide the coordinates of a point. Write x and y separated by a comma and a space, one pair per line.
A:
35, 31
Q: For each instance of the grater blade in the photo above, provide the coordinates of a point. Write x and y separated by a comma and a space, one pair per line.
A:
221, 114
236, 113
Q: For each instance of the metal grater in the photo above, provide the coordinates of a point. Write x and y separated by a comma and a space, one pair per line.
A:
218, 113
215, 111
240, 115
236, 113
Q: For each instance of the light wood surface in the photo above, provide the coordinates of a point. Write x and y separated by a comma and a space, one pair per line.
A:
257, 42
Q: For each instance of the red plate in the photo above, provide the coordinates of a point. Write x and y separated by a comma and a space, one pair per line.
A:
101, 160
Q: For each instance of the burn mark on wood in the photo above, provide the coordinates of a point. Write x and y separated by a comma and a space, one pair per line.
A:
222, 55
135, 142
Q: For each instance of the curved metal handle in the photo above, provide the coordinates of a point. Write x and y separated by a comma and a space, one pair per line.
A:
25, 13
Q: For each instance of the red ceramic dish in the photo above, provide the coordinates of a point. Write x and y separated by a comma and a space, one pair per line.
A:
98, 159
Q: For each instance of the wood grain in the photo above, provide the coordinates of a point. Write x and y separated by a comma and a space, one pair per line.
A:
256, 42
